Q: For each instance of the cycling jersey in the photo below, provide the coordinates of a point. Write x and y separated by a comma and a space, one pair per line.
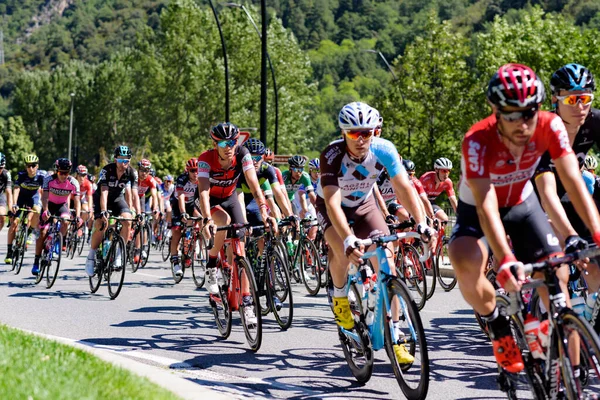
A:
279, 175
184, 185
417, 185
5, 181
303, 184
385, 187
145, 185
167, 193
84, 188
29, 185
356, 179
588, 135
223, 182
116, 186
266, 177
485, 156
59, 192
434, 190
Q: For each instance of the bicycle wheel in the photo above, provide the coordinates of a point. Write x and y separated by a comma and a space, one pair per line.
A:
146, 244
222, 310
588, 383
414, 275
279, 291
135, 251
430, 272
199, 265
356, 345
165, 250
310, 267
54, 260
412, 378
96, 279
19, 254
253, 331
80, 241
42, 266
444, 272
116, 267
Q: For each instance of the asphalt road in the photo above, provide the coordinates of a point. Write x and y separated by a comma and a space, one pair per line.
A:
160, 323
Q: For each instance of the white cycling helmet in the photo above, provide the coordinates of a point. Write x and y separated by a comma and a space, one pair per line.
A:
442, 163
358, 116
591, 162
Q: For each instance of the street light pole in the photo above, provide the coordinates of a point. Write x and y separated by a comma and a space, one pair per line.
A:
71, 124
224, 60
395, 78
263, 73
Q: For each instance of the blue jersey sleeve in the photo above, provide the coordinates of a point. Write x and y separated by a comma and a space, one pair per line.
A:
388, 156
589, 180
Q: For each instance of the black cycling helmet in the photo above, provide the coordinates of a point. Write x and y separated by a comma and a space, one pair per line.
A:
572, 77
224, 131
408, 165
515, 85
297, 161
123, 151
63, 165
255, 146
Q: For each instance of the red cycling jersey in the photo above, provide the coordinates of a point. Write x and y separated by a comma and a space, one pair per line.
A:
485, 156
279, 176
223, 181
143, 186
417, 184
432, 189
85, 187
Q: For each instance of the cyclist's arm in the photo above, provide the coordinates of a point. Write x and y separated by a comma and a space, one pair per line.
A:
274, 209
77, 202
486, 203
9, 198
45, 196
240, 195
90, 199
546, 185
104, 198
333, 203
254, 186
312, 197
453, 202
181, 202
282, 199
155, 203
302, 200
568, 171
427, 205
408, 196
380, 201
204, 195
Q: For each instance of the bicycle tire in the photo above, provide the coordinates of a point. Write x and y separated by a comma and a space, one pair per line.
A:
133, 249
21, 248
416, 388
146, 247
165, 251
199, 268
279, 286
414, 275
589, 350
54, 260
442, 259
116, 274
310, 267
96, 279
42, 267
81, 241
222, 310
253, 333
359, 356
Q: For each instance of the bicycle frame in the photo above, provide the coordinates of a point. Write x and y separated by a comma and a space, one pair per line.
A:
231, 273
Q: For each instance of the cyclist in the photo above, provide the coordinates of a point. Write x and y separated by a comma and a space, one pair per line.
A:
499, 155
59, 188
298, 185
5, 190
86, 193
183, 205
219, 171
349, 169
436, 182
314, 171
410, 169
26, 194
167, 193
118, 181
270, 158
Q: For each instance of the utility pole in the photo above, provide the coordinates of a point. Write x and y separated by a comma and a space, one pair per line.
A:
1, 47
263, 73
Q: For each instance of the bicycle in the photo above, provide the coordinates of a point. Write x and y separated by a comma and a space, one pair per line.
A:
136, 235
230, 297
187, 248
110, 259
75, 239
442, 261
359, 343
272, 279
552, 375
19, 244
51, 252
305, 261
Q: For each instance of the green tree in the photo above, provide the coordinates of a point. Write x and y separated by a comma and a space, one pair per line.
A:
16, 143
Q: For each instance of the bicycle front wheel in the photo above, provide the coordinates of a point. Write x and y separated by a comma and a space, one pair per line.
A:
21, 246
146, 241
165, 250
222, 310
588, 383
54, 260
115, 264
444, 272
250, 311
199, 264
414, 275
96, 279
280, 291
81, 241
408, 335
310, 267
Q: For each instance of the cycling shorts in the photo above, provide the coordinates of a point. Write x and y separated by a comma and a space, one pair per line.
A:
231, 206
530, 232
176, 221
393, 207
436, 208
60, 210
33, 201
118, 207
3, 200
367, 218
576, 220
297, 208
254, 217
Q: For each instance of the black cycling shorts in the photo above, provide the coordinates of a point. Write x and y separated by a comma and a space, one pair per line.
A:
117, 206
176, 216
530, 232
576, 220
231, 206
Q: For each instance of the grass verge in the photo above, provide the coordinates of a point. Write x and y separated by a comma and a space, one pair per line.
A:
32, 367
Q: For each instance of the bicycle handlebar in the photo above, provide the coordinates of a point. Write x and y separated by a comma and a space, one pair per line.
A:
566, 259
392, 238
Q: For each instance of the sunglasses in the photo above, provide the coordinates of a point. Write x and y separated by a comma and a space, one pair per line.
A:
194, 170
318, 171
354, 135
62, 172
257, 158
122, 160
573, 99
441, 170
297, 169
226, 143
512, 116
144, 170
31, 165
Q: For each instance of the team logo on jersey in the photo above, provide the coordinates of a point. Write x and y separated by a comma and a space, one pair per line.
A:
474, 157
102, 175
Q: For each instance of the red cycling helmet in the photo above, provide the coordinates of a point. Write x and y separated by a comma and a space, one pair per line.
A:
191, 164
145, 164
515, 85
82, 170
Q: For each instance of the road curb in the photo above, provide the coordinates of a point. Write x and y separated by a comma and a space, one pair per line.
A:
163, 377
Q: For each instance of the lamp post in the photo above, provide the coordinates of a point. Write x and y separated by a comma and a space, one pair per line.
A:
236, 5
224, 60
71, 123
395, 78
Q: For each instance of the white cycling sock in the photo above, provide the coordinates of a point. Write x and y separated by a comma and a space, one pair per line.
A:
339, 292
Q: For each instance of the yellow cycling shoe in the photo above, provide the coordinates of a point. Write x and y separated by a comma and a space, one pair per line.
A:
402, 355
343, 315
